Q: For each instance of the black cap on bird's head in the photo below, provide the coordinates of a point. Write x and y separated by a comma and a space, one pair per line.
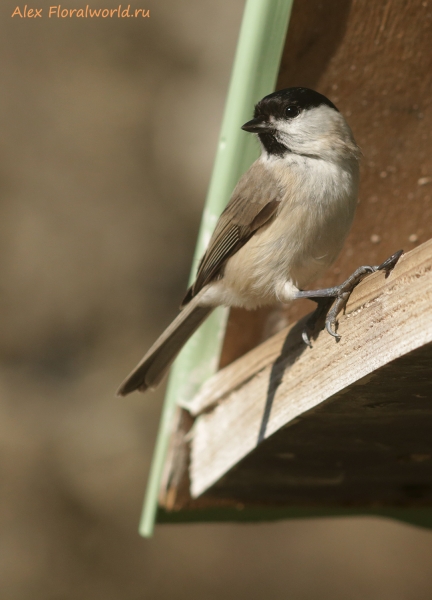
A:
283, 105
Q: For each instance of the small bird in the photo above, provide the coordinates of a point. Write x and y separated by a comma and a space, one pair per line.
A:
284, 225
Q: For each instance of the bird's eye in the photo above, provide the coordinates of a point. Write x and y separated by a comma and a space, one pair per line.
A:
292, 111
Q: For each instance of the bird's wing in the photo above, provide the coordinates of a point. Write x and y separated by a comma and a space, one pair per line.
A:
254, 202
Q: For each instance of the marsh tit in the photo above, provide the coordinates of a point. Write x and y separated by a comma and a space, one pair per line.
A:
284, 225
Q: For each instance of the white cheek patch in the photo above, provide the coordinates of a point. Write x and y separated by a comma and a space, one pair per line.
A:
313, 131
317, 120
289, 126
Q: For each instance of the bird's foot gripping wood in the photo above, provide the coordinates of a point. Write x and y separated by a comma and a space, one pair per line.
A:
337, 297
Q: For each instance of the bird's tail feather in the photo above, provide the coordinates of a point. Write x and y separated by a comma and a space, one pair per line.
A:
155, 364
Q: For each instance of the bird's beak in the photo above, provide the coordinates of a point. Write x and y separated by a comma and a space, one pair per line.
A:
258, 125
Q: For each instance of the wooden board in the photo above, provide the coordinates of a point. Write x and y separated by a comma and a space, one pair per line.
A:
342, 424
283, 379
368, 446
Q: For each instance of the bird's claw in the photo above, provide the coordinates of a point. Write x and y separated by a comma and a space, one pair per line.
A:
341, 294
306, 338
390, 263
328, 326
338, 305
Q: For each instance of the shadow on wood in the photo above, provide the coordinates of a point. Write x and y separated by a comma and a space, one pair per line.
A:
340, 425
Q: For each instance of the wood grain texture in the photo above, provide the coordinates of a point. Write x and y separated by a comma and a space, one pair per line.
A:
282, 379
369, 446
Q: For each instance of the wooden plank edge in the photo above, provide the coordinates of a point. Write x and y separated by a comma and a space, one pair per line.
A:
391, 315
241, 370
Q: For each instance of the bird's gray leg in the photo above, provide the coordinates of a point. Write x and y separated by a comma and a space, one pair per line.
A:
321, 310
340, 293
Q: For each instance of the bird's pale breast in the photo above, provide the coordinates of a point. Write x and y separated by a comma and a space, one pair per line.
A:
317, 208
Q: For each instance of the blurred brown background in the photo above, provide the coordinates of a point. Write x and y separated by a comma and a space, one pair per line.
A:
108, 134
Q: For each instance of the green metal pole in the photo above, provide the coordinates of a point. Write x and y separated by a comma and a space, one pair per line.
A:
255, 70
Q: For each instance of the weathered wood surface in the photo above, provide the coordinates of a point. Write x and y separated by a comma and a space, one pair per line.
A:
281, 380
369, 447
